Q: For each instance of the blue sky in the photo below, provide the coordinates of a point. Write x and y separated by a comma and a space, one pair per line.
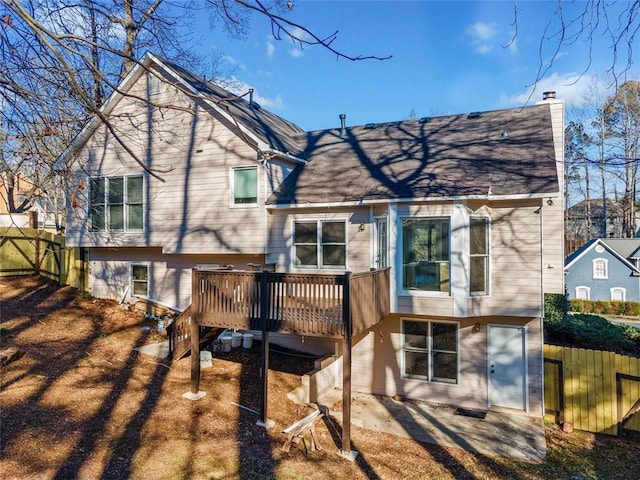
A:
448, 57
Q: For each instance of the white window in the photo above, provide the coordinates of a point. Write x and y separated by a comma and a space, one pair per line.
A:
600, 268
381, 243
116, 203
479, 256
430, 350
583, 293
139, 280
425, 254
245, 186
619, 294
320, 243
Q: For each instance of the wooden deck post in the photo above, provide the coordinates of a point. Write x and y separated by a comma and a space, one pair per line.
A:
346, 451
194, 330
264, 320
195, 356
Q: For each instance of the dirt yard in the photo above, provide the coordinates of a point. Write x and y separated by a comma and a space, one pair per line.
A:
81, 403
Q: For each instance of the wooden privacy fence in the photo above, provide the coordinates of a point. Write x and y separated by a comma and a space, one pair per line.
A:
593, 390
27, 251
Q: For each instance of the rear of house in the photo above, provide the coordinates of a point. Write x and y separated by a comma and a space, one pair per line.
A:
468, 218
464, 210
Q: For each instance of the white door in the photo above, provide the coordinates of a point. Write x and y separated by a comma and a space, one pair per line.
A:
507, 373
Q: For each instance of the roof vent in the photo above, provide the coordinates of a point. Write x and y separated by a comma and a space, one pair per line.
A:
424, 120
343, 126
474, 115
370, 126
549, 95
253, 105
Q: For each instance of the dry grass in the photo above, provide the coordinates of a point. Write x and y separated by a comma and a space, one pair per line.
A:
81, 403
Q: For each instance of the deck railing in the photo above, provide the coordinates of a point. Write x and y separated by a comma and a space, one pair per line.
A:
306, 304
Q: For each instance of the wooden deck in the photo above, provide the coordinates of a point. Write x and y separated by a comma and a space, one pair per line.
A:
306, 304
321, 305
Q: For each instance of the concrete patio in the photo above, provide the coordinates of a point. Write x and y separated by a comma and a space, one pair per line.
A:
516, 436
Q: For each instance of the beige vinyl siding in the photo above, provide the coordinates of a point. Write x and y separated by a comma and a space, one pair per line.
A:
358, 242
188, 195
169, 275
553, 263
516, 259
553, 241
377, 363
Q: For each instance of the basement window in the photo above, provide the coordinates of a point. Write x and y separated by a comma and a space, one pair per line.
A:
139, 280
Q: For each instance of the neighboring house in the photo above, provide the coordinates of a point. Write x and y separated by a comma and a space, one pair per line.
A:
466, 210
30, 207
605, 269
585, 221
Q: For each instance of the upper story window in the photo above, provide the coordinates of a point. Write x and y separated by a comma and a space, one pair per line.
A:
479, 256
320, 244
116, 203
600, 268
425, 254
430, 350
245, 186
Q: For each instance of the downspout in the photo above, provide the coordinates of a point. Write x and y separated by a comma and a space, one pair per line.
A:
542, 300
265, 232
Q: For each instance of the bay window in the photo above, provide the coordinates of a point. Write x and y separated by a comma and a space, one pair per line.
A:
425, 254
479, 256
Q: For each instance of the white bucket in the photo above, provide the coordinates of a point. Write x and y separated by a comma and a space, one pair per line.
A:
226, 343
236, 340
247, 340
205, 359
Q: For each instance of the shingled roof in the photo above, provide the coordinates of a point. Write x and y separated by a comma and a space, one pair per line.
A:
489, 154
497, 153
278, 133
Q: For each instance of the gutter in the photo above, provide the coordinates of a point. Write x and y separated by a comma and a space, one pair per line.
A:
360, 203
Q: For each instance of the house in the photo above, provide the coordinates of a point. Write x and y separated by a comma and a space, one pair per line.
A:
605, 269
463, 213
22, 203
585, 221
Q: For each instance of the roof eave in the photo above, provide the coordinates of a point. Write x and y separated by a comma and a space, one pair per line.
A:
360, 203
270, 152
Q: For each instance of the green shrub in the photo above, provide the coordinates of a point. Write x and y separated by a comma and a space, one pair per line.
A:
556, 307
591, 331
632, 309
579, 305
